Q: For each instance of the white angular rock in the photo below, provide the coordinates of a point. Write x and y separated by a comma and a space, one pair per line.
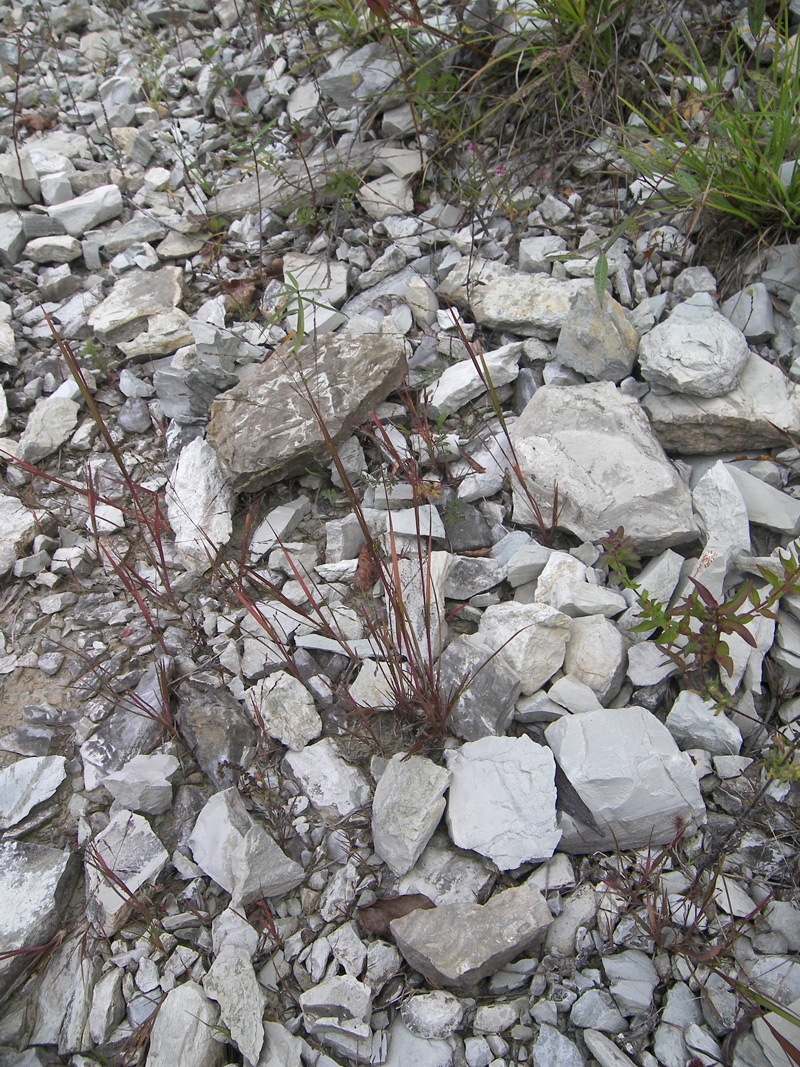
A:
229, 928
407, 1047
597, 655
763, 1029
183, 1032
719, 503
628, 771
419, 603
697, 723
232, 982
406, 809
386, 196
49, 425
459, 944
334, 787
281, 1048
502, 801
60, 248
633, 978
278, 526
138, 295
238, 854
89, 210
704, 358
764, 403
35, 886
341, 1003
286, 708
199, 503
129, 849
765, 504
530, 305
27, 783
750, 310
462, 382
143, 783
596, 444
532, 638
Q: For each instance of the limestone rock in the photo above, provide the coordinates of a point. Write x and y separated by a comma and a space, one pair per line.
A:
719, 503
341, 1003
135, 298
695, 723
407, 1047
130, 849
628, 771
704, 358
459, 944
265, 429
447, 875
25, 784
597, 656
488, 688
232, 982
238, 854
530, 305
220, 736
199, 504
502, 801
462, 382
287, 709
183, 1031
750, 310
143, 783
598, 342
89, 210
49, 425
596, 444
752, 415
35, 886
406, 809
335, 788
531, 638
64, 998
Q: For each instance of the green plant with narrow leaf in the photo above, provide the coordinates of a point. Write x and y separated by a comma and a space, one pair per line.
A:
727, 141
693, 633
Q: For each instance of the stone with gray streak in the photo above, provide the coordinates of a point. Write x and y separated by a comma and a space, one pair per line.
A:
265, 429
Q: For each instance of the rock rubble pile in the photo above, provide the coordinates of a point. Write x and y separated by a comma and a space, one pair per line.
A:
218, 833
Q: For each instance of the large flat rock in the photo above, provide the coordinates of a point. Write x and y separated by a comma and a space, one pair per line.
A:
597, 446
265, 429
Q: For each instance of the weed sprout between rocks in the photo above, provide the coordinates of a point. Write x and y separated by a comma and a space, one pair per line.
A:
692, 633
